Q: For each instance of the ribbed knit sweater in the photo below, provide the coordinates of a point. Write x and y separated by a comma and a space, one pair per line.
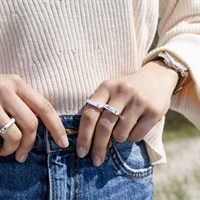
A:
65, 48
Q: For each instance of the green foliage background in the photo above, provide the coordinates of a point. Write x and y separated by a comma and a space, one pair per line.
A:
178, 127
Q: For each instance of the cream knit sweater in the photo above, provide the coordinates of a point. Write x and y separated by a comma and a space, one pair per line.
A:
66, 48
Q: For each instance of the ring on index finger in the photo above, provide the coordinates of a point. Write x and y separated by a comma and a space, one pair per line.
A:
94, 103
4, 129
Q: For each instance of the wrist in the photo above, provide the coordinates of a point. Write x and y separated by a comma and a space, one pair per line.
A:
159, 70
176, 65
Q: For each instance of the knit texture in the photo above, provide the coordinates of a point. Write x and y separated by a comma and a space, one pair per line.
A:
65, 48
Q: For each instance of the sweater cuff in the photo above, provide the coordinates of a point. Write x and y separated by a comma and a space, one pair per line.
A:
154, 144
185, 48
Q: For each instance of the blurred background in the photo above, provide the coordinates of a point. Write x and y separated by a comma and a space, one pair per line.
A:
179, 179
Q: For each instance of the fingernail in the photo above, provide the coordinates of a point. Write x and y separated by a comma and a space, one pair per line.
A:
97, 161
64, 141
22, 158
81, 152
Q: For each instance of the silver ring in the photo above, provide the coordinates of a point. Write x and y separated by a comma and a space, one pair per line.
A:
112, 110
4, 129
94, 103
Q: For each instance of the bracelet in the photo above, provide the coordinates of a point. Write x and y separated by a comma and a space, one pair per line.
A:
176, 66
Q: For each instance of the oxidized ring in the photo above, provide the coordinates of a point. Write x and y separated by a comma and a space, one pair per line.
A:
4, 129
112, 110
94, 103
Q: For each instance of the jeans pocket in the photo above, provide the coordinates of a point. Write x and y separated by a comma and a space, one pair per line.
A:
131, 159
1, 141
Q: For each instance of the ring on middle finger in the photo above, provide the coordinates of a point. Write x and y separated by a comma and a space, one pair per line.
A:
112, 110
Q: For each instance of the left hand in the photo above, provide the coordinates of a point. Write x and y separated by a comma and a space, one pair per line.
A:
142, 98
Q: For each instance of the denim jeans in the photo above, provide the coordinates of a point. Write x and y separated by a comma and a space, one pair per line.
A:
58, 174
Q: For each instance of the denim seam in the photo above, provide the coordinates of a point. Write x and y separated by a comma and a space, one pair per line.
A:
127, 172
39, 148
51, 182
74, 179
79, 180
47, 142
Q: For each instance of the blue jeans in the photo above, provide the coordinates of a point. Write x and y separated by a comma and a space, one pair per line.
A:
58, 174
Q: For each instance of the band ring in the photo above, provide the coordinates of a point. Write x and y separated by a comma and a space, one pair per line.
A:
4, 129
112, 110
94, 103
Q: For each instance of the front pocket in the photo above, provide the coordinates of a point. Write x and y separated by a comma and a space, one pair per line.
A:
131, 159
1, 141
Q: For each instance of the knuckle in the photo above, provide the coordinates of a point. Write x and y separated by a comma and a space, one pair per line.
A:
4, 88
155, 111
15, 138
125, 88
31, 126
87, 115
84, 141
46, 107
106, 84
104, 124
119, 136
11, 84
15, 77
138, 99
141, 100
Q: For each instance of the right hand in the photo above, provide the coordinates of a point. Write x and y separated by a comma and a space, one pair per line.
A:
20, 101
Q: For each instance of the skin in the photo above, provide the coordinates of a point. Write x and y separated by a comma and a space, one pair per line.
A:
20, 101
142, 98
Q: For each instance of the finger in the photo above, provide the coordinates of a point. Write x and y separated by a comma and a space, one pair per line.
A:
26, 121
127, 121
43, 108
88, 121
104, 128
143, 126
11, 138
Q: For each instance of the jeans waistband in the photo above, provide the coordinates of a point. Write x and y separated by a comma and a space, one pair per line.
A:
69, 122
44, 140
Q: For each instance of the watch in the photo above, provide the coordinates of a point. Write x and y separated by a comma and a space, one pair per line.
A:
182, 70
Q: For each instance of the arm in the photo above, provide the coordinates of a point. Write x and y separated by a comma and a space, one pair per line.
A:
144, 97
179, 33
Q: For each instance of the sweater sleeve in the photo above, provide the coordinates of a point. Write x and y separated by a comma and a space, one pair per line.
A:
179, 34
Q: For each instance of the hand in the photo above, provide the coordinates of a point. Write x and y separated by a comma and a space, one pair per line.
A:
20, 101
143, 98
